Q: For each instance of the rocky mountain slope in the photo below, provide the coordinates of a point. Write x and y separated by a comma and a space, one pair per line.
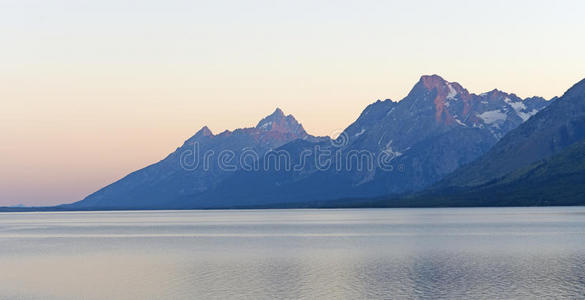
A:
553, 129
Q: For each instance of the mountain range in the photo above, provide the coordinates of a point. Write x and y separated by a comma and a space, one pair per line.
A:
177, 175
434, 139
542, 162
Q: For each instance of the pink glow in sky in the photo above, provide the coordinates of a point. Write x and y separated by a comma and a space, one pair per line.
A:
92, 90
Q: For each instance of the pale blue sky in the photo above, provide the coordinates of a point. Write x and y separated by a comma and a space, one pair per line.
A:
102, 88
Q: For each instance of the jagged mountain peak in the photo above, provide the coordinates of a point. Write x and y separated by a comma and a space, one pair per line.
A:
435, 93
431, 81
278, 121
276, 116
453, 105
434, 81
495, 93
204, 131
371, 116
442, 89
278, 113
200, 134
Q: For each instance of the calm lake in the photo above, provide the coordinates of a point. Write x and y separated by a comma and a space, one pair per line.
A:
483, 253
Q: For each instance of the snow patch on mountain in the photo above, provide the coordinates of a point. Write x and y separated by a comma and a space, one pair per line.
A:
517, 106
266, 125
460, 123
493, 116
452, 92
520, 109
526, 115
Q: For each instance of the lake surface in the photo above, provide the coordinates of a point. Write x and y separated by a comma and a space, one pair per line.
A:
483, 253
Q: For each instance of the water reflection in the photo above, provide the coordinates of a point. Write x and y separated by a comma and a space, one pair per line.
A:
401, 253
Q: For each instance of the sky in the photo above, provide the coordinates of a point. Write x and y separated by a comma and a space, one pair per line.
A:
92, 90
